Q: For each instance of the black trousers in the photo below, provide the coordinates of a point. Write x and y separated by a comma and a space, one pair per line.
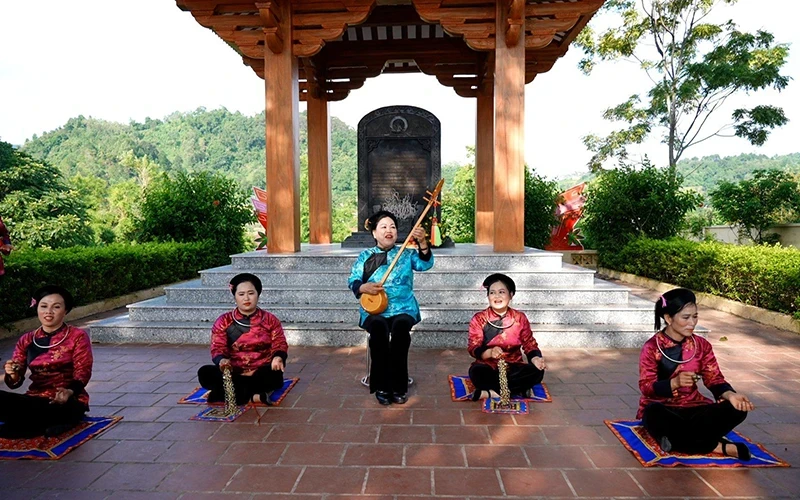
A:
27, 416
521, 377
389, 340
264, 380
694, 430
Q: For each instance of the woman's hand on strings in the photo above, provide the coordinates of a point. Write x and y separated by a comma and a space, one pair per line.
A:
419, 235
371, 288
738, 401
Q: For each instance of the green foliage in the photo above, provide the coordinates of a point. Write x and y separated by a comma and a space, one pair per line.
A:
195, 207
694, 66
540, 205
37, 206
756, 204
125, 157
762, 276
626, 203
96, 273
458, 205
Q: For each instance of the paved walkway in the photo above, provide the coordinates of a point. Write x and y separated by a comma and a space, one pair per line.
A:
331, 440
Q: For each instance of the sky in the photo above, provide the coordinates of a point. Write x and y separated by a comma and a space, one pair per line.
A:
122, 61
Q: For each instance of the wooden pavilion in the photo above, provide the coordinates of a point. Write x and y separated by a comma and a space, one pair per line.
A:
319, 50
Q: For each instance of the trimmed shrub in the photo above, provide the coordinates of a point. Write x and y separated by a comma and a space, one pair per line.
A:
195, 207
96, 273
763, 276
634, 201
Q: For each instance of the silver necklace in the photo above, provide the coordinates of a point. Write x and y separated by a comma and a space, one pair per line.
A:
501, 327
243, 325
40, 329
694, 353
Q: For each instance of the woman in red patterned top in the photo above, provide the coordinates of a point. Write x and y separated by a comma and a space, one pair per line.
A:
671, 407
59, 357
250, 340
500, 331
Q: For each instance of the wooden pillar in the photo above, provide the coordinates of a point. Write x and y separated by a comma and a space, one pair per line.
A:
319, 170
484, 166
282, 134
509, 159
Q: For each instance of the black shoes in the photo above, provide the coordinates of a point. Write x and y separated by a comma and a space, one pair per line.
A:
387, 398
400, 398
383, 397
742, 451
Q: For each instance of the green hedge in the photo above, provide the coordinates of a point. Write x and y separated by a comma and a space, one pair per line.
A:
763, 276
96, 273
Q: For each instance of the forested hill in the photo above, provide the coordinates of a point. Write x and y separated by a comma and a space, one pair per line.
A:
703, 174
216, 140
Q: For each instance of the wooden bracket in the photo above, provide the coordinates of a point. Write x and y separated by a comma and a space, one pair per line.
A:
271, 19
514, 22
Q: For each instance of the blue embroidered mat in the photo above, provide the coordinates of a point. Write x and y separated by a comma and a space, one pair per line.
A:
461, 389
516, 407
53, 448
200, 395
208, 414
636, 439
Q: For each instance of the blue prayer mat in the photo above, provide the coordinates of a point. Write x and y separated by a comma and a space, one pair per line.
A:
637, 440
461, 389
53, 448
200, 396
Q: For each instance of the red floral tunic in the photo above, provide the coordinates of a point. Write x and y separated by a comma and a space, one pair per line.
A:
252, 349
483, 336
67, 365
655, 372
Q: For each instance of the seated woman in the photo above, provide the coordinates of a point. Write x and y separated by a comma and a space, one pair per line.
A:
671, 363
389, 331
502, 332
59, 357
251, 342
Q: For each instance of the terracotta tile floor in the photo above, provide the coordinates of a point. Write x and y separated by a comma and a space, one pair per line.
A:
331, 440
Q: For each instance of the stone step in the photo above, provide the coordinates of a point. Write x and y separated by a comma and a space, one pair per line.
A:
445, 260
571, 276
601, 293
121, 330
158, 309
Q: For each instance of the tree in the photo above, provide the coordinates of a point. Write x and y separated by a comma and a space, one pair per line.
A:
629, 202
695, 66
757, 204
540, 209
195, 207
458, 206
40, 210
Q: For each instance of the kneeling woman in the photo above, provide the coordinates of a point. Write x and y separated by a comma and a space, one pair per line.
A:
671, 363
502, 332
250, 341
389, 331
59, 357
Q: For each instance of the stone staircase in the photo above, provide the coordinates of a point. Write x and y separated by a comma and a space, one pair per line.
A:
566, 305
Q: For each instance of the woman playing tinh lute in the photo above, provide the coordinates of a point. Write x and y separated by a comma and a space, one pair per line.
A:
59, 357
502, 332
249, 341
389, 331
671, 363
